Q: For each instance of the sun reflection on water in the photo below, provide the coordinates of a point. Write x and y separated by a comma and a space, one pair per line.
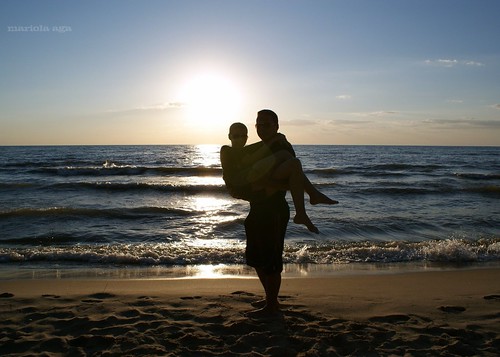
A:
218, 271
212, 212
207, 155
209, 203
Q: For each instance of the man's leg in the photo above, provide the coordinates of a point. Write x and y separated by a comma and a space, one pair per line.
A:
271, 284
273, 289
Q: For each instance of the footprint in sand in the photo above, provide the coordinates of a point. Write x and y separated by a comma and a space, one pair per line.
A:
391, 319
452, 309
492, 297
51, 296
6, 295
190, 297
102, 296
99, 297
240, 292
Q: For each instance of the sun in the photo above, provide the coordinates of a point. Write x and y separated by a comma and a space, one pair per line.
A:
210, 97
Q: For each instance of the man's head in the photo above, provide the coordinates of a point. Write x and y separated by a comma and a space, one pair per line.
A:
266, 124
238, 134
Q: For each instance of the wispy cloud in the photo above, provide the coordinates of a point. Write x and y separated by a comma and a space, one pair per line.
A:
473, 63
343, 97
452, 63
299, 122
162, 106
380, 113
442, 62
455, 101
347, 122
152, 107
462, 123
496, 106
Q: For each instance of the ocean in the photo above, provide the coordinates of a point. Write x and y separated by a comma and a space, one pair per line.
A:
161, 211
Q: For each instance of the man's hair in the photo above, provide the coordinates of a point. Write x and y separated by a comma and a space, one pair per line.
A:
269, 114
238, 125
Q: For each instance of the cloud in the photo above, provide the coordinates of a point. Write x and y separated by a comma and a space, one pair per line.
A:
298, 122
380, 113
442, 62
473, 63
343, 97
496, 106
448, 63
162, 106
152, 107
456, 101
343, 122
461, 123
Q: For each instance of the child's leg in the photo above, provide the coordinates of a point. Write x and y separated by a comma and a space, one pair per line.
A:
291, 170
263, 168
315, 196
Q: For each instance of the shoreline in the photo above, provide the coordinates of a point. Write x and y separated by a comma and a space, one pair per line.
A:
414, 285
227, 271
448, 312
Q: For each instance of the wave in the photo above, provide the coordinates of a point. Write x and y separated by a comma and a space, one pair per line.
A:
116, 186
125, 213
127, 170
390, 169
446, 251
494, 190
16, 185
443, 251
423, 188
406, 167
478, 176
392, 187
113, 186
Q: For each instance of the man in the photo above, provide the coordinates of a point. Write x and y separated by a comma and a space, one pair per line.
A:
267, 221
265, 225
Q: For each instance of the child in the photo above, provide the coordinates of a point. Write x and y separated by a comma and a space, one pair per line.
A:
252, 170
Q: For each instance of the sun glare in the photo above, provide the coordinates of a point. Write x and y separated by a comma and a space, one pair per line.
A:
210, 98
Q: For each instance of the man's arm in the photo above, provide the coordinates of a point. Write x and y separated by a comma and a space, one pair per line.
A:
282, 144
260, 150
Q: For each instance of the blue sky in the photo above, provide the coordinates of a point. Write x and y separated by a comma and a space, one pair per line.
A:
388, 72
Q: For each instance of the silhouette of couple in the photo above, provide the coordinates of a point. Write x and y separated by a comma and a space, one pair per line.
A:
261, 173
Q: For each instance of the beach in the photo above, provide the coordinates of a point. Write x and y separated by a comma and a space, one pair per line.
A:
412, 313
140, 251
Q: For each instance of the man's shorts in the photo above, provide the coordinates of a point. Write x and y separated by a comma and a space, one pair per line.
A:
265, 228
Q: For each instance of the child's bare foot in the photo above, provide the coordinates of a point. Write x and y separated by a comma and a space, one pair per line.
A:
319, 197
304, 219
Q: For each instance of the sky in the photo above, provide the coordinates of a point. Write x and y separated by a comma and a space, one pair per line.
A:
342, 72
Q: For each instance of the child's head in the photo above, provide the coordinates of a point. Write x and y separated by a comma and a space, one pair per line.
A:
238, 134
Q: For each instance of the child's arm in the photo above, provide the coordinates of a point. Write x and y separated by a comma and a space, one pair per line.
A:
224, 157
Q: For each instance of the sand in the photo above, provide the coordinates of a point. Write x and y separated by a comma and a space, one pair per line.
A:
446, 313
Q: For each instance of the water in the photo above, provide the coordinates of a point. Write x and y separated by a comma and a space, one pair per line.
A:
166, 207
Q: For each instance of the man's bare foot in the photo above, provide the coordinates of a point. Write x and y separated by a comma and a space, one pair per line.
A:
259, 304
319, 197
304, 219
265, 312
